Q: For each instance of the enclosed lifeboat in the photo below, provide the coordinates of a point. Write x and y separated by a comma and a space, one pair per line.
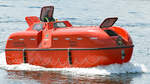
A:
58, 44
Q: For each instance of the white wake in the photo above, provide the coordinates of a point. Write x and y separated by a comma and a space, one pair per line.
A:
99, 70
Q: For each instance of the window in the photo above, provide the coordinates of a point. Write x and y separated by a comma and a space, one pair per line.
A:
59, 25
38, 26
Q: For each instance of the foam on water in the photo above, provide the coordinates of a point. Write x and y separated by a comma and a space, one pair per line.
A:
2, 59
99, 70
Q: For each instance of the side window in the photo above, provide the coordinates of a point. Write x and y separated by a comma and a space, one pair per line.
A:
59, 25
38, 26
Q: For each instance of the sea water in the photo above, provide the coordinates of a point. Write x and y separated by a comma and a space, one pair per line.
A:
133, 16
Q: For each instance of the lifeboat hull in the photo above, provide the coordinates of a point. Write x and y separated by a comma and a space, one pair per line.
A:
58, 44
66, 58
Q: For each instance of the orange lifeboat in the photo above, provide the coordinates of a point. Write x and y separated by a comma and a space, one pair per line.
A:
58, 44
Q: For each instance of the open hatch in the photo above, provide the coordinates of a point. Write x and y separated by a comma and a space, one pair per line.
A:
47, 11
108, 22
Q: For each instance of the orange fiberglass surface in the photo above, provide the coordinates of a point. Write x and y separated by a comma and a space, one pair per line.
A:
57, 44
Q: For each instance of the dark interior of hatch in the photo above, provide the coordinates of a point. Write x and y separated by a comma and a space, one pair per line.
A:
111, 33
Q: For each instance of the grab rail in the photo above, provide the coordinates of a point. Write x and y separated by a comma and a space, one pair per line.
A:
51, 49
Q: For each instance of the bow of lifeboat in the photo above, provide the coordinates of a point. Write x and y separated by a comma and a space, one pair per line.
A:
58, 44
